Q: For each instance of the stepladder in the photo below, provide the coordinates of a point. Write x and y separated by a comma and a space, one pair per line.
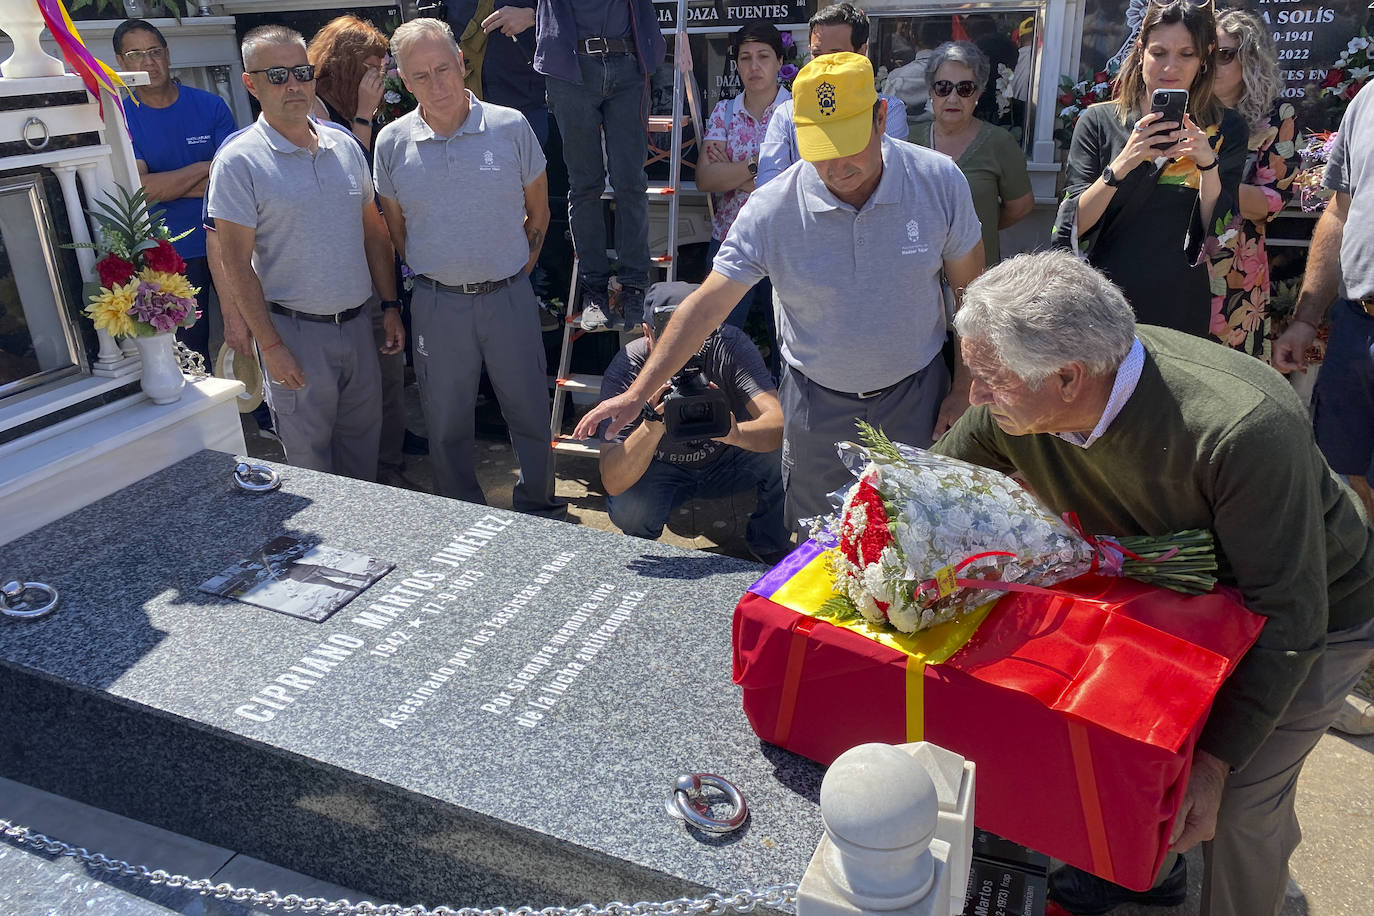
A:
662, 196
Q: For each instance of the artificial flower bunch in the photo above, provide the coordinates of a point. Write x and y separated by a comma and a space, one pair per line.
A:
1074, 98
143, 285
1315, 153
922, 539
793, 59
396, 98
1351, 71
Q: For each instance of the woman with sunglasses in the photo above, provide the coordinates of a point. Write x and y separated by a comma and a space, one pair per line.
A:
989, 157
1142, 193
349, 55
1248, 80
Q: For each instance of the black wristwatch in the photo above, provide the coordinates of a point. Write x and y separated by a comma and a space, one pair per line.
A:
649, 415
391, 304
753, 165
1109, 177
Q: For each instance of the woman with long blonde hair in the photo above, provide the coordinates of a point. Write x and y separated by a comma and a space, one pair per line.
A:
1142, 192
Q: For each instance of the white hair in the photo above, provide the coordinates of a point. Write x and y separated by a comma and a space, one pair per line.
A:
1043, 310
410, 32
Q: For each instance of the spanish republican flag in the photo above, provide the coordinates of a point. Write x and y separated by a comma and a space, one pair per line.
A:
92, 71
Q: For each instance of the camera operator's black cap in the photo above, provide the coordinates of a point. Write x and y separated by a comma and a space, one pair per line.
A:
662, 300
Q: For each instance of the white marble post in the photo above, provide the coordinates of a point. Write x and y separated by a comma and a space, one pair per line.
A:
23, 22
883, 850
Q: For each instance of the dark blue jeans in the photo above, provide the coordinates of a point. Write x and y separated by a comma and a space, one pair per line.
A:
612, 98
1343, 401
643, 509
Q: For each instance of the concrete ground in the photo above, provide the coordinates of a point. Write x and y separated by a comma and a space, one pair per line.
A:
1333, 869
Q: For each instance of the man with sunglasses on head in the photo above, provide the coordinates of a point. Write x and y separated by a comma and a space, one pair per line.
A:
299, 248
841, 27
175, 131
855, 239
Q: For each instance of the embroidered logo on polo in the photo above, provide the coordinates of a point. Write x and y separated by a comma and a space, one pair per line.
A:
825, 97
913, 236
489, 162
353, 189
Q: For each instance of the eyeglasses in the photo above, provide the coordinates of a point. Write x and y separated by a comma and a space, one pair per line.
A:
136, 57
304, 73
1227, 55
965, 88
1210, 4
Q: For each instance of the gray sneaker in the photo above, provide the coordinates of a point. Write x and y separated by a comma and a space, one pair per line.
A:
594, 308
1356, 716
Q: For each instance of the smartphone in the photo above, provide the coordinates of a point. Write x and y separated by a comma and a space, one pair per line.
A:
1173, 105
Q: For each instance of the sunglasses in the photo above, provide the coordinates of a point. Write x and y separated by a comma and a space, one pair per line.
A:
136, 57
942, 88
1227, 55
304, 73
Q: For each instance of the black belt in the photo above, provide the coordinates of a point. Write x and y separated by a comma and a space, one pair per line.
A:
606, 46
339, 318
862, 395
1367, 304
474, 289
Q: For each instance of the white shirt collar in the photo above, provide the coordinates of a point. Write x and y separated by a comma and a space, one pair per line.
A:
737, 104
1127, 377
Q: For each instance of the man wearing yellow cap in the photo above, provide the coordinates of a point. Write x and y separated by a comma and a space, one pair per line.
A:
854, 240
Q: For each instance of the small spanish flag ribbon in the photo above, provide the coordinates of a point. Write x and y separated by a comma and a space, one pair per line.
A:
809, 586
93, 72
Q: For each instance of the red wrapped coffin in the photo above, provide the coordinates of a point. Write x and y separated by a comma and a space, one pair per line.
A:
1080, 706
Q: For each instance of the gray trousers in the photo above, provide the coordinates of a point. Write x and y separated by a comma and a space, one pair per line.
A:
454, 336
815, 418
393, 365
331, 424
1246, 865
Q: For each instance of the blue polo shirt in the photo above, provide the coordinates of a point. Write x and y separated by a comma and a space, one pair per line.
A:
189, 130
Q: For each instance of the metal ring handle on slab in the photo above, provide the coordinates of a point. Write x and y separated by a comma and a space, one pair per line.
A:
686, 803
27, 600
31, 143
256, 478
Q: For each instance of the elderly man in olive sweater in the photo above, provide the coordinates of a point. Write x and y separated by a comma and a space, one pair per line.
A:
1143, 430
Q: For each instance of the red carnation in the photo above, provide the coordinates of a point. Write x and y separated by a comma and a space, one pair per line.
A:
1333, 78
113, 271
1066, 99
1351, 90
164, 258
1100, 76
864, 547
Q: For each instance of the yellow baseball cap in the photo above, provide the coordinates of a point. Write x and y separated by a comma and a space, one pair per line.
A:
832, 106
1026, 28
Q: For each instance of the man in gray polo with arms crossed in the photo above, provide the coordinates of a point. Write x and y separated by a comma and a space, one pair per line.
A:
463, 189
854, 239
299, 246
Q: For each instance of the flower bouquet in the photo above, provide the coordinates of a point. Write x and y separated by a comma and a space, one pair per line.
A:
1349, 74
1074, 98
1315, 152
143, 285
922, 539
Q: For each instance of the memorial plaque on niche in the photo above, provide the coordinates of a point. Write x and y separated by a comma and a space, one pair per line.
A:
498, 720
732, 13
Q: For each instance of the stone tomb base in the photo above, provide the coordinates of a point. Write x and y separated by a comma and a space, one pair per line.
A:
498, 721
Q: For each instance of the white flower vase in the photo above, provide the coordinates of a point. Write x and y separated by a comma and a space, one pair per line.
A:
22, 21
162, 378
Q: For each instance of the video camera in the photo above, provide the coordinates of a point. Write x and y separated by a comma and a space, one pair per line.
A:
692, 409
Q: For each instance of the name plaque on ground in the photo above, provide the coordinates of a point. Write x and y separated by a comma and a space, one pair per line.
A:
498, 720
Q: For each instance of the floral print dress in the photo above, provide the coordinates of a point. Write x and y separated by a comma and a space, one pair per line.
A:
732, 124
1238, 262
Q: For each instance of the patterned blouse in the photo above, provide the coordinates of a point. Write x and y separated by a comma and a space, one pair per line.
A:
733, 125
1238, 261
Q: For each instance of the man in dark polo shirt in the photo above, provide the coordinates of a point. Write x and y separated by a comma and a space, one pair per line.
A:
299, 248
647, 475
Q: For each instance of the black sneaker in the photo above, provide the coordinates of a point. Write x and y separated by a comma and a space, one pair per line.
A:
1083, 894
550, 317
629, 307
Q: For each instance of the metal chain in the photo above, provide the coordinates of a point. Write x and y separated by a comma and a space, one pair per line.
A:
713, 904
191, 362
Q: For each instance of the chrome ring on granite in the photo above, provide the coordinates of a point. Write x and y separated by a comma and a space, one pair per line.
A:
256, 478
686, 803
27, 600
32, 144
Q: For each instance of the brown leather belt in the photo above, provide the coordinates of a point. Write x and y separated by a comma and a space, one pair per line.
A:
473, 289
339, 318
606, 46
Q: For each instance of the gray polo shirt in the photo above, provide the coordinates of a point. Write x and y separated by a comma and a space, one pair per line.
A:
307, 210
463, 196
1350, 168
857, 293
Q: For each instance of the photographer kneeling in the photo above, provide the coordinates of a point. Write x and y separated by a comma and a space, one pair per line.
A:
693, 440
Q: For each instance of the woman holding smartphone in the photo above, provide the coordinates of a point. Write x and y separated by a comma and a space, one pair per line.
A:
1143, 191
